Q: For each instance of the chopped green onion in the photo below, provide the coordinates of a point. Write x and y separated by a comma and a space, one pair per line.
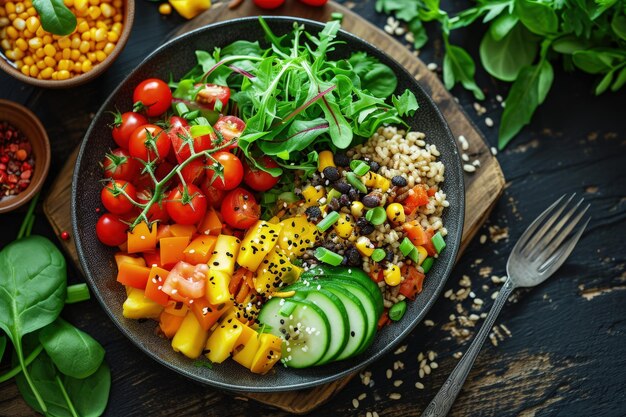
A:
361, 169
378, 255
376, 216
268, 198
414, 255
330, 219
396, 312
191, 114
181, 108
438, 242
288, 197
406, 246
427, 264
287, 309
77, 293
354, 163
354, 181
328, 256
332, 194
336, 16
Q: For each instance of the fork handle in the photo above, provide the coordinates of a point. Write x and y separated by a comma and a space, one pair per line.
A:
441, 404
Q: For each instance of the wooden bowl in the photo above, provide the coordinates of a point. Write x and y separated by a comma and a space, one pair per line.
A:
25, 121
129, 15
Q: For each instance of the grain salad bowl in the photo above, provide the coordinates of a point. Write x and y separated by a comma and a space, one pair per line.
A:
174, 59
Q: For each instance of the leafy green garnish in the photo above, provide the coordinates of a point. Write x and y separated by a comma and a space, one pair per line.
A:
55, 16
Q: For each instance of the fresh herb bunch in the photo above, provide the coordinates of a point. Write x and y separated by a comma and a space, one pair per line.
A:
524, 38
59, 369
295, 99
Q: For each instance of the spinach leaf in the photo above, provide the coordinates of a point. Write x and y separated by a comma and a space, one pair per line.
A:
620, 80
502, 26
3, 345
538, 17
528, 92
73, 351
458, 66
505, 58
406, 104
380, 80
55, 16
90, 395
570, 44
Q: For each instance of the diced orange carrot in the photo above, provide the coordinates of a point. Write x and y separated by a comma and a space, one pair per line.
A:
172, 249
179, 230
200, 249
133, 275
206, 313
154, 285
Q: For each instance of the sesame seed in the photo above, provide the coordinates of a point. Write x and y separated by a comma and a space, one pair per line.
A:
421, 373
420, 357
395, 396
369, 414
362, 396
389, 373
355, 403
375, 414
431, 355
432, 66
489, 122
434, 365
429, 323
419, 385
401, 349
457, 355
483, 238
495, 295
397, 383
469, 168
476, 163
478, 301
494, 151
464, 157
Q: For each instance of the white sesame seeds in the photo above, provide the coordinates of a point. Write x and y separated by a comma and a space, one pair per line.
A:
478, 301
489, 121
397, 382
457, 355
355, 403
469, 168
389, 373
362, 396
419, 385
494, 151
395, 396
429, 323
432, 66
476, 163
483, 239
463, 142
465, 157
401, 349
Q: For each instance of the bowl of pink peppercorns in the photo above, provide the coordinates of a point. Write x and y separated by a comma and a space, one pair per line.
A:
24, 155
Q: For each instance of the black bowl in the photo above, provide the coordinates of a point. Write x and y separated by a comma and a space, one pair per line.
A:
177, 57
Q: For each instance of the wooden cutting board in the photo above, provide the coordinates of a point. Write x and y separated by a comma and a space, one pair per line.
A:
482, 188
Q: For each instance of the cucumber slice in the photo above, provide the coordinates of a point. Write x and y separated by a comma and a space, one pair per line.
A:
343, 273
337, 316
368, 307
305, 332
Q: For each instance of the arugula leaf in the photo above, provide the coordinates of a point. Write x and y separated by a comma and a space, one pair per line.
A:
406, 104
506, 57
528, 92
458, 66
55, 16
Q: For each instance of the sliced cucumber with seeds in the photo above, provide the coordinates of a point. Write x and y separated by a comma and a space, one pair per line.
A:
337, 316
302, 325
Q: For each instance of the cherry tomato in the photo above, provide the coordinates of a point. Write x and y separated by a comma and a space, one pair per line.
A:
232, 171
239, 209
269, 4
119, 165
124, 125
179, 130
211, 93
157, 210
186, 282
186, 207
316, 3
231, 128
194, 171
149, 143
214, 196
111, 230
153, 96
113, 198
260, 180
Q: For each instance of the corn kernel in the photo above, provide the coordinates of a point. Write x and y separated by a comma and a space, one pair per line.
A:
33, 71
28, 60
94, 12
28, 3
19, 8
165, 9
58, 56
19, 63
108, 48
25, 70
107, 10
80, 6
17, 54
10, 7
39, 53
91, 56
75, 54
12, 32
5, 44
4, 22
47, 39
27, 34
55, 75
64, 64
31, 11
100, 46
49, 50
117, 18
67, 53
84, 47
101, 35
117, 28
117, 4
356, 208
75, 42
12, 16
78, 67
324, 160
112, 36
65, 42
82, 27
19, 24
82, 58
32, 23
49, 61
63, 75
68, 3
392, 275
100, 56
40, 32
46, 73
40, 64
344, 226
3, 12
364, 246
86, 66
86, 36
94, 2
21, 44
395, 213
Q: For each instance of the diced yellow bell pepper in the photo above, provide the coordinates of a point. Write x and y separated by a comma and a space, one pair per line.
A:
217, 287
142, 238
190, 8
274, 220
222, 341
246, 347
374, 180
423, 254
268, 354
200, 250
325, 159
224, 254
275, 269
190, 337
365, 246
258, 242
297, 235
344, 226
312, 195
392, 275
138, 306
121, 257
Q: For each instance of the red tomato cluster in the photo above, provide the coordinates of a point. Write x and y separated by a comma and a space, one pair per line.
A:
149, 139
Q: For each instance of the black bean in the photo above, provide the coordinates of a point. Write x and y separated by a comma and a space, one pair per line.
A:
341, 186
313, 213
341, 159
389, 255
344, 200
316, 180
374, 166
371, 200
353, 256
333, 204
399, 181
353, 194
365, 227
331, 174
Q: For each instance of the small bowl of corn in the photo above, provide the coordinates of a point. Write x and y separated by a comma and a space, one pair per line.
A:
35, 56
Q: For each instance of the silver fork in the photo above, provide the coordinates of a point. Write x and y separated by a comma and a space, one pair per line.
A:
539, 252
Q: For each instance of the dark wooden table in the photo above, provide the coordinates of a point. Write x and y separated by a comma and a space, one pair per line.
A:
562, 348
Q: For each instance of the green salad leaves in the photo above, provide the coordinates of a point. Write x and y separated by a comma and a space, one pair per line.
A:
295, 99
523, 40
